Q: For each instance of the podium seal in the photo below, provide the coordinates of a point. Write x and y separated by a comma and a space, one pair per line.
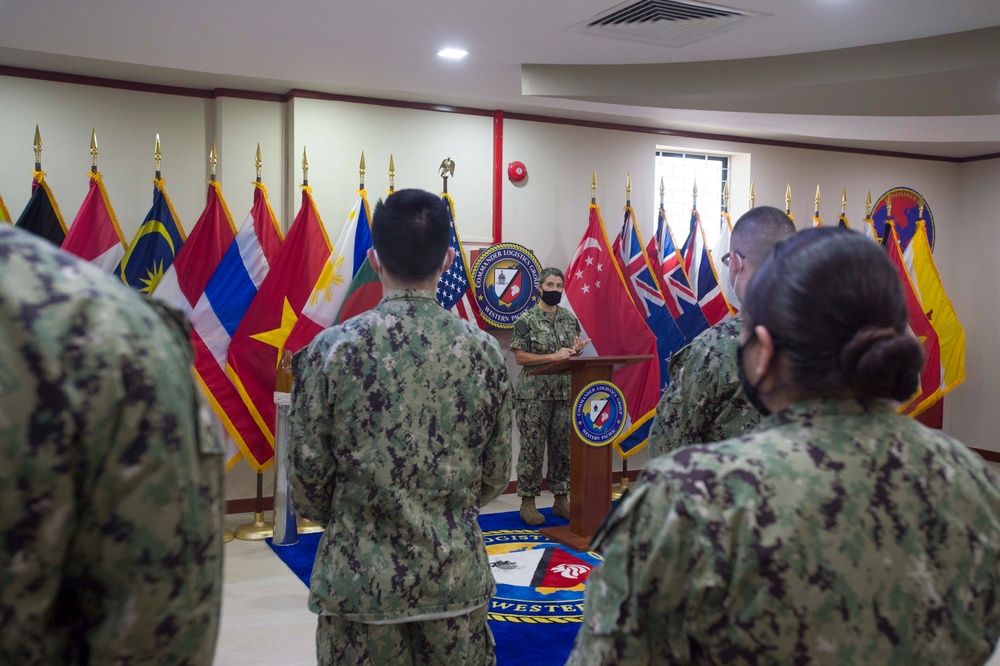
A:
599, 413
505, 277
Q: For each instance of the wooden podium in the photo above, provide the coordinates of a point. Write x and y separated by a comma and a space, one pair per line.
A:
590, 466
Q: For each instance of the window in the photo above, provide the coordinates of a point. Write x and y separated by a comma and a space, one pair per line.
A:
680, 171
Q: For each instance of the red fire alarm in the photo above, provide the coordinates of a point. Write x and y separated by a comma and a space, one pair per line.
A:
516, 171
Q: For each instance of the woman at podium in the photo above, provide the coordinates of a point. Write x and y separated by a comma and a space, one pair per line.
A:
544, 334
839, 531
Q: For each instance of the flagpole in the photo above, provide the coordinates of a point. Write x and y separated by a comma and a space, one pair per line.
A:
93, 150
259, 529
361, 171
817, 201
788, 200
622, 488
38, 149
447, 168
593, 188
157, 156
753, 195
285, 529
392, 175
212, 161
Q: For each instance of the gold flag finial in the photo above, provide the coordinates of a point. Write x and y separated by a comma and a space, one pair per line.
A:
157, 156
843, 202
446, 169
920, 209
305, 167
392, 174
258, 162
38, 149
694, 196
628, 188
93, 150
753, 195
593, 187
725, 197
868, 205
888, 208
663, 190
817, 201
212, 160
361, 170
788, 198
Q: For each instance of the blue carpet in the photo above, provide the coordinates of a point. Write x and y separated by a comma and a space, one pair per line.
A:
538, 606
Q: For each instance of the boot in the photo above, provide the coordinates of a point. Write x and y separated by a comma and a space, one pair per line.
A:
529, 513
560, 507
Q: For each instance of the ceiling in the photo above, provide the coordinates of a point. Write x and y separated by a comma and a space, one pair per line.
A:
913, 76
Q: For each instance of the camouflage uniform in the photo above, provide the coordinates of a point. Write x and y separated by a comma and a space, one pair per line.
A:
838, 533
543, 402
704, 401
111, 485
400, 431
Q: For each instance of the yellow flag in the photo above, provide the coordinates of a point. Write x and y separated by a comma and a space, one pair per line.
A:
4, 215
937, 305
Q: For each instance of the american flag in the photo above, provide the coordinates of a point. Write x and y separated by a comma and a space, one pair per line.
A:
454, 289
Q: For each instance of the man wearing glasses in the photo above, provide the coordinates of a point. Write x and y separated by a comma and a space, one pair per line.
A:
704, 402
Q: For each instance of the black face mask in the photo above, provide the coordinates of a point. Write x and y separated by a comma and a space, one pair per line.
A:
551, 297
753, 395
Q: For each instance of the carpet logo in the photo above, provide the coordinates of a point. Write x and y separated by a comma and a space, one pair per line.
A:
538, 580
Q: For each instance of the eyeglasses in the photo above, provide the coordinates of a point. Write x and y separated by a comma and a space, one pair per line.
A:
727, 257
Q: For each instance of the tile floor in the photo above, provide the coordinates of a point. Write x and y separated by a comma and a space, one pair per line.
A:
265, 621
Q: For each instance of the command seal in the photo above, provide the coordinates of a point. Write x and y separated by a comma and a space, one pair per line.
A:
599, 413
906, 206
505, 277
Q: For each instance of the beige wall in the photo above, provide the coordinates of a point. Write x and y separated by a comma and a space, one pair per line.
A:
547, 212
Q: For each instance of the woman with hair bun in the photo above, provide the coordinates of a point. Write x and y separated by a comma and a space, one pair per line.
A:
838, 532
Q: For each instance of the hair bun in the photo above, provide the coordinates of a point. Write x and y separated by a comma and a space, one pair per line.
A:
881, 362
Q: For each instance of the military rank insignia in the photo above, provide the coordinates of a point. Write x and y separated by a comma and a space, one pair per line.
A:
505, 278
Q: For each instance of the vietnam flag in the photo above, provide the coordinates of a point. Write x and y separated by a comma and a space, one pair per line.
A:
260, 338
929, 391
334, 281
95, 235
595, 292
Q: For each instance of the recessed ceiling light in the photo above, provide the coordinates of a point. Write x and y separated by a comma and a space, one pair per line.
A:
454, 54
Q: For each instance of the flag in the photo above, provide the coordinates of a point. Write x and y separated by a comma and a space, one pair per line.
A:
721, 248
154, 246
680, 299
219, 311
454, 289
843, 222
4, 213
644, 290
185, 280
702, 275
929, 391
595, 292
95, 235
334, 282
259, 340
364, 293
938, 308
41, 216
868, 230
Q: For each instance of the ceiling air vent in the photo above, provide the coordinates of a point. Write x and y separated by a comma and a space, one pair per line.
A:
666, 22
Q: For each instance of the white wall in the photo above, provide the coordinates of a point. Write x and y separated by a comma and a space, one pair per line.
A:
547, 212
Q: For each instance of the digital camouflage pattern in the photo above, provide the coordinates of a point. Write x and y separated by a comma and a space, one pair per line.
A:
704, 401
453, 641
541, 421
838, 533
111, 482
536, 333
400, 429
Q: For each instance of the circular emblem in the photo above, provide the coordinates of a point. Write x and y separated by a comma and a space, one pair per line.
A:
505, 277
599, 413
905, 211
538, 580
